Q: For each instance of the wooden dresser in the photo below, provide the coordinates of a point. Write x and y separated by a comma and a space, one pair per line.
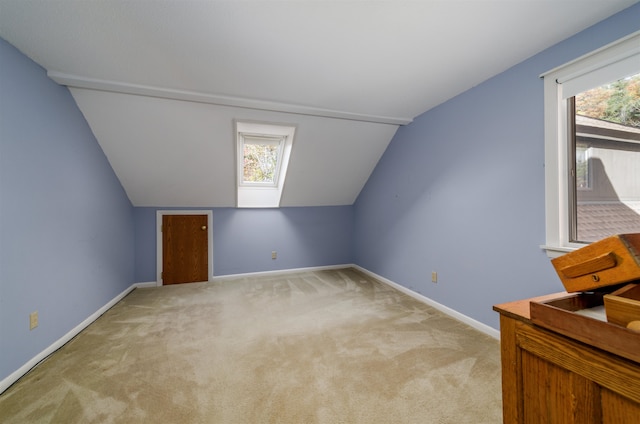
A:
551, 378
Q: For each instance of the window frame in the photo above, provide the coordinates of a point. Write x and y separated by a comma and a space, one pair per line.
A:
561, 83
262, 195
260, 139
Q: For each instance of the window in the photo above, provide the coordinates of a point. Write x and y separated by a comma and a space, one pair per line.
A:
583, 167
261, 159
592, 167
605, 191
263, 152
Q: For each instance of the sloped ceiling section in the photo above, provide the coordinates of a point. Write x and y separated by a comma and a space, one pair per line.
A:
173, 153
160, 82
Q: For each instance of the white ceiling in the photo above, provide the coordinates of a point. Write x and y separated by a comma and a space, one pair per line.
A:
160, 82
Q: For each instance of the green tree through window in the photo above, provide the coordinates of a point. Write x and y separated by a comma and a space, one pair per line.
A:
617, 102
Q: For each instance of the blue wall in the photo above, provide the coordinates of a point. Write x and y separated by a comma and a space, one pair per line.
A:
244, 238
460, 191
66, 224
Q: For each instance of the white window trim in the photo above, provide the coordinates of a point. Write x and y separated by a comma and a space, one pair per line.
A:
593, 69
262, 195
263, 139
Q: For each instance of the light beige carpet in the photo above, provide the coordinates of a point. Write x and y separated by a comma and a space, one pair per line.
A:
316, 347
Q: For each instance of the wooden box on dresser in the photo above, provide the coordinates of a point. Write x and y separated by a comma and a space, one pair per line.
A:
549, 377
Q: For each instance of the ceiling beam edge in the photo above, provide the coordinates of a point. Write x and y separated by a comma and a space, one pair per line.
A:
192, 96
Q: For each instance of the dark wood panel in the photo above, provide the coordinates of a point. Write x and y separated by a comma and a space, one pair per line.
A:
511, 381
548, 377
607, 370
618, 410
184, 249
552, 394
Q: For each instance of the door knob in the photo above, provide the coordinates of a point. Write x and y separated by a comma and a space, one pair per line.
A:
204, 227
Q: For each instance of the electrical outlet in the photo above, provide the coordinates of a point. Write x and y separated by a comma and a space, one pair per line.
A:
33, 320
274, 255
434, 277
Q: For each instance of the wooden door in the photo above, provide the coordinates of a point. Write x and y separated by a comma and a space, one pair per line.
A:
185, 256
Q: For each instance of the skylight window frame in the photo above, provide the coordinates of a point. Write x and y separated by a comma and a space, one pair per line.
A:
278, 140
258, 194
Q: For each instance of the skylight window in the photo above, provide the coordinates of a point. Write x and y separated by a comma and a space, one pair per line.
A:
263, 152
261, 159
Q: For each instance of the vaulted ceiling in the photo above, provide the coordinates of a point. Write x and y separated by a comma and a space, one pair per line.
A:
161, 82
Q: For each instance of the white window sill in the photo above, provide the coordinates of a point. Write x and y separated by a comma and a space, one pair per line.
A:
555, 251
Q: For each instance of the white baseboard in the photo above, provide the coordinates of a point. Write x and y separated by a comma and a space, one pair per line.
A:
445, 309
146, 285
13, 377
280, 271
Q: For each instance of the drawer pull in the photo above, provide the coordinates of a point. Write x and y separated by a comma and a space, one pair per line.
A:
591, 266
